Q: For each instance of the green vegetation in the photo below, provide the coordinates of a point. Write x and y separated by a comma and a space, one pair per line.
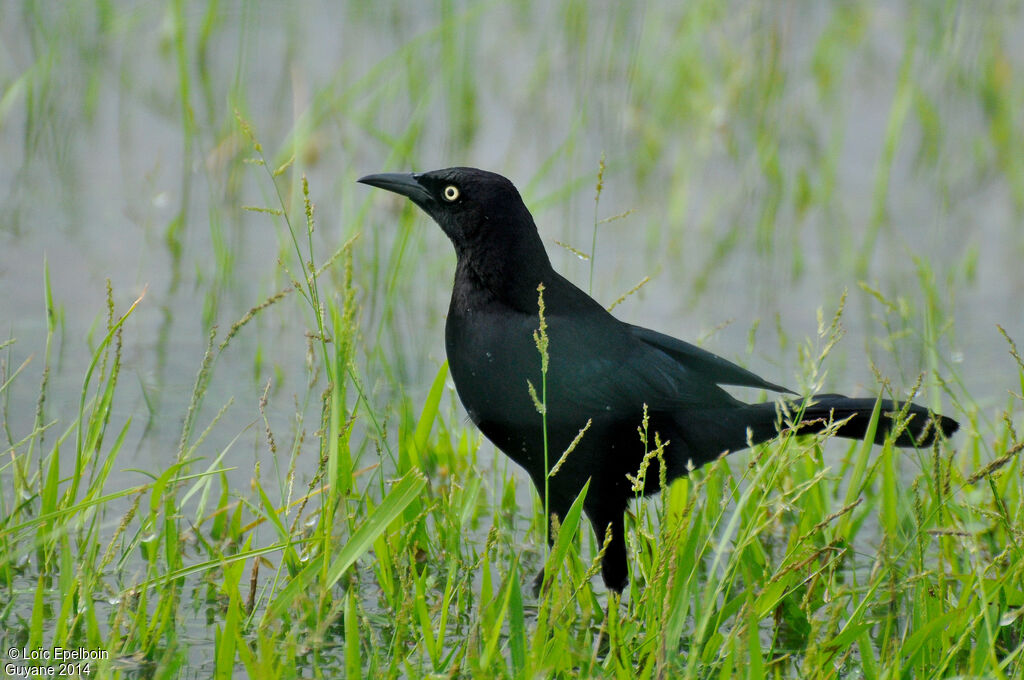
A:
375, 536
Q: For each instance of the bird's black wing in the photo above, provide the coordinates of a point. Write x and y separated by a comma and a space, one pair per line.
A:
602, 365
708, 366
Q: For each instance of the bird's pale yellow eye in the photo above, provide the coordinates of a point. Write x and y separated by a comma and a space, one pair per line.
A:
451, 192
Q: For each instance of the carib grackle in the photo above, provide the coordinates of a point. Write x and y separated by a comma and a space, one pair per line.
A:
600, 369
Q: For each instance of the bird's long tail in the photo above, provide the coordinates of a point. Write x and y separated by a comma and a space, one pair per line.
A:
919, 426
709, 433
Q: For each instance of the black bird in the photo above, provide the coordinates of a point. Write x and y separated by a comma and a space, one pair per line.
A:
601, 369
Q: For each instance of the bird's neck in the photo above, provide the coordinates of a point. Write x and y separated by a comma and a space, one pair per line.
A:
508, 279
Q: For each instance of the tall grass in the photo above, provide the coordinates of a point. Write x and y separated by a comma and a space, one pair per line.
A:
774, 564
406, 549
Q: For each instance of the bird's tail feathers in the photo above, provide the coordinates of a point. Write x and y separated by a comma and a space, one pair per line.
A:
914, 425
710, 433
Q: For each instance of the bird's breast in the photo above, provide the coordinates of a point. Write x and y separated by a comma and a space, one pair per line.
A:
493, 361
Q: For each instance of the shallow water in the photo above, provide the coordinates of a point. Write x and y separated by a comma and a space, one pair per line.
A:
98, 164
750, 144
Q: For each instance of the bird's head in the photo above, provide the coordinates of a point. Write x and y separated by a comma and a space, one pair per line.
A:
465, 202
485, 218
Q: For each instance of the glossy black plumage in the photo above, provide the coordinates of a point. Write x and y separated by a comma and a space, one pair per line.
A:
600, 369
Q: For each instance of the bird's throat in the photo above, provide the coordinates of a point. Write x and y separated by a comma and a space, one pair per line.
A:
482, 284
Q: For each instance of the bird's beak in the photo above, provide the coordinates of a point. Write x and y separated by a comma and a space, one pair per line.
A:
400, 183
